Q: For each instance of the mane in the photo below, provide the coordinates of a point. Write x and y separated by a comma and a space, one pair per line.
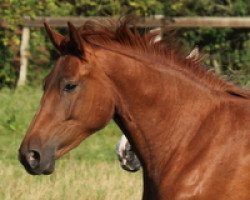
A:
110, 35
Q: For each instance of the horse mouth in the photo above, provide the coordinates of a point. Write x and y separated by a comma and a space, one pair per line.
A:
130, 169
45, 171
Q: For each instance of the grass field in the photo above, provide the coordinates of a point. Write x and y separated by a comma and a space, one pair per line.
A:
90, 172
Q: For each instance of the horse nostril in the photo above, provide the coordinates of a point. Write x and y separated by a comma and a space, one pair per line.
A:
33, 158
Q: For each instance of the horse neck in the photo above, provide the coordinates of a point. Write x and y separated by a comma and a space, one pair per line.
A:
152, 102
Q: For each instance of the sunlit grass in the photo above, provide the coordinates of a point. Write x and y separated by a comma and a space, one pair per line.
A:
89, 172
72, 179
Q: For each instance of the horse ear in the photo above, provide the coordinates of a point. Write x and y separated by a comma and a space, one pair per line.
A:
75, 38
194, 54
56, 38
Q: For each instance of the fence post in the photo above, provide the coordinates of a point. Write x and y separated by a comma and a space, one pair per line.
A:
24, 56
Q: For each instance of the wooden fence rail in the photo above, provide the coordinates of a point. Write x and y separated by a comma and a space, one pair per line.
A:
158, 21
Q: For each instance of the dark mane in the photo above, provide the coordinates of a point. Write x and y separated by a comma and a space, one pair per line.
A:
112, 35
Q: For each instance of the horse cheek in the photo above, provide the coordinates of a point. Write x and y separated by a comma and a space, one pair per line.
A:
101, 115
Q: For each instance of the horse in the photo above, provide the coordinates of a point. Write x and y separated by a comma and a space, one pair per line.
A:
126, 155
189, 129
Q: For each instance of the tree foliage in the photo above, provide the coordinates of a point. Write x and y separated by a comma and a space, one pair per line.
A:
230, 47
13, 12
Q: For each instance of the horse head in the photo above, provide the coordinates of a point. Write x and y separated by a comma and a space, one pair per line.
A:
77, 101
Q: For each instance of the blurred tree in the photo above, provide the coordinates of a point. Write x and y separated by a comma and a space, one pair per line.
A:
13, 12
227, 47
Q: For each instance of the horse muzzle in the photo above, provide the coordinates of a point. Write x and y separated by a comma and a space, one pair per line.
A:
37, 162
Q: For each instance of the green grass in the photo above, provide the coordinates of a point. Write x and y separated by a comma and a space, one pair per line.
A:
89, 172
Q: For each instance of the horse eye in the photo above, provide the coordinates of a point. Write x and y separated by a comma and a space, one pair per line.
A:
69, 87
